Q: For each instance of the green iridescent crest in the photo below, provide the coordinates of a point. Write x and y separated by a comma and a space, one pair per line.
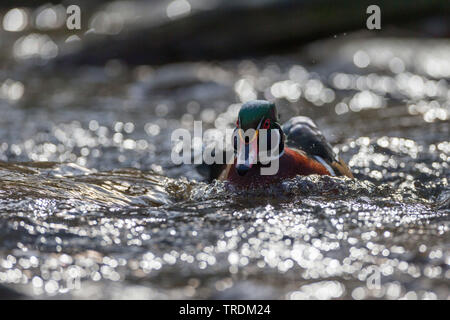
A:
252, 112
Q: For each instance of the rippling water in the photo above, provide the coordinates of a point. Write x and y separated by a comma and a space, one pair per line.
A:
92, 207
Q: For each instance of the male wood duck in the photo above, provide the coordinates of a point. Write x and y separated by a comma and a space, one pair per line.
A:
302, 150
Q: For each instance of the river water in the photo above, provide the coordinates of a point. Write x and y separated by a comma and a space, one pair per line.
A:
91, 205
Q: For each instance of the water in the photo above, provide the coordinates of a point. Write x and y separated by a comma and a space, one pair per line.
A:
92, 206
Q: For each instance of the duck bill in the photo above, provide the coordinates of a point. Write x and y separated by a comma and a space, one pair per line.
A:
247, 155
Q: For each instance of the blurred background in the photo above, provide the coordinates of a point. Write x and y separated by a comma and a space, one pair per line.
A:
91, 205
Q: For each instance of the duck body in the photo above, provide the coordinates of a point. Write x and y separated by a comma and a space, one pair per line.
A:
291, 163
303, 150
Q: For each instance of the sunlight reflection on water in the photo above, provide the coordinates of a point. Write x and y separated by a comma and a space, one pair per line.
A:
88, 226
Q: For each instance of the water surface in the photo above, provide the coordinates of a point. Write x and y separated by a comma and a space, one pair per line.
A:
91, 205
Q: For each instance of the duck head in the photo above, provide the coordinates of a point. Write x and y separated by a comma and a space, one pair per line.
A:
249, 137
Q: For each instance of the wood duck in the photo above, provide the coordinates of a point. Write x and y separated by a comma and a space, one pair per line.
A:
302, 150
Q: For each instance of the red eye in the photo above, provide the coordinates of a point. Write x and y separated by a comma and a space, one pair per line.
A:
266, 124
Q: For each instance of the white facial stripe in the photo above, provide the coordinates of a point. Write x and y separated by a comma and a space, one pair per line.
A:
260, 122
